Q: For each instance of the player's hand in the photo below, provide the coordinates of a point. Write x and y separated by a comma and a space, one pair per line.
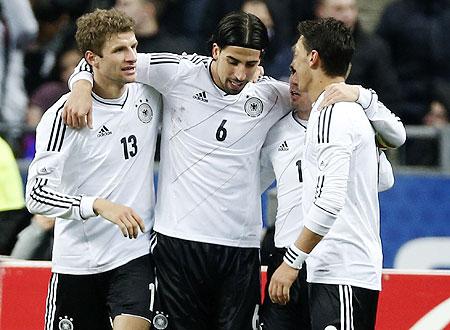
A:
77, 110
128, 221
339, 92
281, 283
258, 73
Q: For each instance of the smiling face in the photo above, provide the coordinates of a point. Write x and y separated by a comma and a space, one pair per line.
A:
117, 62
234, 67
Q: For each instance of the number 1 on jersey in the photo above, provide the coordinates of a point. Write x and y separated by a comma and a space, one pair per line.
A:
299, 167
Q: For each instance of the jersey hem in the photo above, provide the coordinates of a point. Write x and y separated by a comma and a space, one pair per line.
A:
209, 240
97, 270
352, 282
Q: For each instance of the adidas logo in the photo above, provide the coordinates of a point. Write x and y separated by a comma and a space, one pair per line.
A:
283, 147
103, 131
201, 97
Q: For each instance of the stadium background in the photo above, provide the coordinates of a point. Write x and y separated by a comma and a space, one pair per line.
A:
415, 213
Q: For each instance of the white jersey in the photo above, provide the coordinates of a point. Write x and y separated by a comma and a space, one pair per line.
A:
283, 152
340, 172
281, 158
209, 172
114, 160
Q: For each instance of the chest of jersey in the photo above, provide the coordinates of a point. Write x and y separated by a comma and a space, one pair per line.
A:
122, 135
236, 122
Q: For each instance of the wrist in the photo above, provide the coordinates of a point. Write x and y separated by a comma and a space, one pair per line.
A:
295, 257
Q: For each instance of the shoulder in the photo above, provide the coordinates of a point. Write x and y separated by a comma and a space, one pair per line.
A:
279, 131
139, 88
267, 81
55, 111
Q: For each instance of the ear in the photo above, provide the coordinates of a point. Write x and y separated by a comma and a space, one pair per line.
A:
215, 51
91, 58
314, 59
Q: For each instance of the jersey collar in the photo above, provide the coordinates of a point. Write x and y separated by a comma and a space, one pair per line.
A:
119, 102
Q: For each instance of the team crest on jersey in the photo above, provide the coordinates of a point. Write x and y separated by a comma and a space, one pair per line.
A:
145, 112
253, 107
65, 323
160, 321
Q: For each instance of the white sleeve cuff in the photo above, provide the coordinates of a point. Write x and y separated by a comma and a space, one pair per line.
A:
319, 221
87, 207
82, 75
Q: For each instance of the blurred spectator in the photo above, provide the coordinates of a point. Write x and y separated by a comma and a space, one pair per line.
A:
41, 56
152, 37
47, 94
437, 116
371, 63
18, 28
278, 55
425, 151
13, 214
35, 242
417, 33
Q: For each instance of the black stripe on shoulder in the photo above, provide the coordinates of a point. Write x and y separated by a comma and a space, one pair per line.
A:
55, 134
323, 128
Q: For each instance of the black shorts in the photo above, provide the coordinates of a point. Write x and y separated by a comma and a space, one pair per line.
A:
295, 314
205, 286
93, 301
342, 306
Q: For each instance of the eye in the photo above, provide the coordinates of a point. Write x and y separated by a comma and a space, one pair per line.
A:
251, 65
232, 62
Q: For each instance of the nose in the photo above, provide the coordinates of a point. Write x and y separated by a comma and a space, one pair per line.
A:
293, 79
131, 55
240, 73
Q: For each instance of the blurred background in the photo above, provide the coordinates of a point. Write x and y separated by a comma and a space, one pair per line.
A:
402, 52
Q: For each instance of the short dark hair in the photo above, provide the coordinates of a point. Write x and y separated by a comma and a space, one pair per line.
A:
240, 29
332, 40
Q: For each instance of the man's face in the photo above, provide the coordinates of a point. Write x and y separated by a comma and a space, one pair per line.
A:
234, 67
117, 62
299, 101
301, 66
129, 7
345, 11
133, 8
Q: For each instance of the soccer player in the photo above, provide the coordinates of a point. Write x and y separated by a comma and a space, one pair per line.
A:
87, 179
208, 215
340, 238
281, 158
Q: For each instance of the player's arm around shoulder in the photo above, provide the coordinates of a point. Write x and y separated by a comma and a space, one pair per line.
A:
390, 130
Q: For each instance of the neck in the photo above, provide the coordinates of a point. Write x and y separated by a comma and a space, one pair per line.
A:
108, 91
319, 84
302, 114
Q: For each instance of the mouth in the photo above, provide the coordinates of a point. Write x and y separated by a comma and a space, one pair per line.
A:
236, 84
131, 69
294, 93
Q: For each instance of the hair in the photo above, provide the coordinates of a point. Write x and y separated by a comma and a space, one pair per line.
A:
332, 40
240, 29
93, 29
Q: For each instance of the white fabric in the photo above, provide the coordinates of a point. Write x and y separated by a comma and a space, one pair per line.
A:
72, 163
209, 182
340, 171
